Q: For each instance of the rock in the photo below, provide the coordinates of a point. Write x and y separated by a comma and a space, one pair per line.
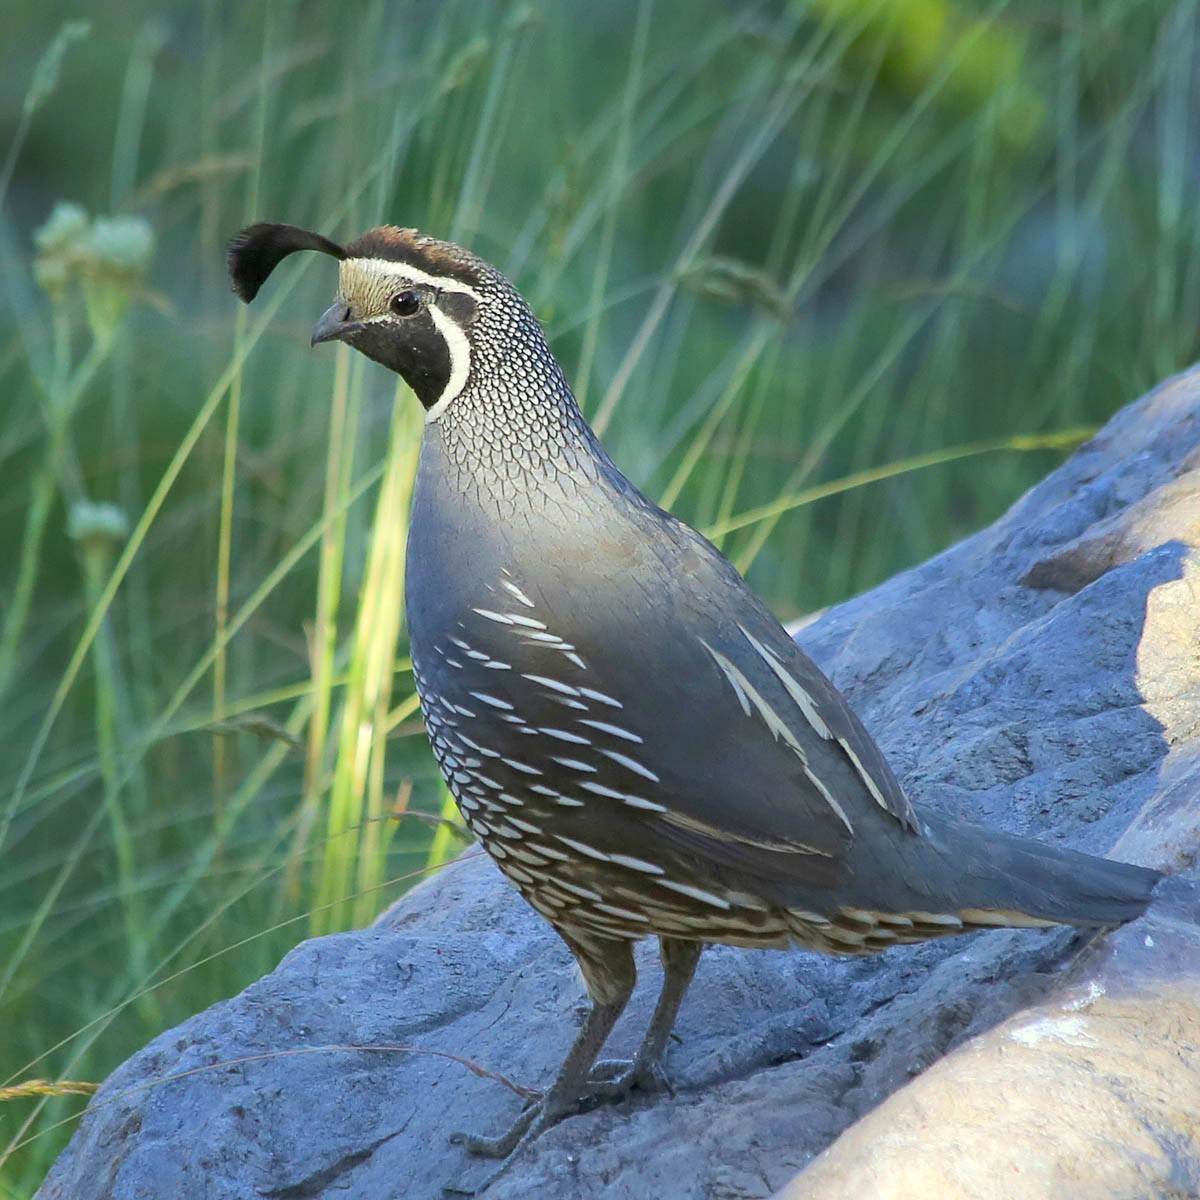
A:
1090, 1094
1041, 676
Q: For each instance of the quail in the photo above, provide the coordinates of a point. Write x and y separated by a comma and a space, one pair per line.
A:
629, 732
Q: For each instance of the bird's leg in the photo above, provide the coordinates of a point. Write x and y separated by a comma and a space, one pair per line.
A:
615, 1077
679, 958
608, 971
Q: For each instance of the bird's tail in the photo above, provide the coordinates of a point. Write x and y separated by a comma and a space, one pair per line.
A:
999, 879
957, 877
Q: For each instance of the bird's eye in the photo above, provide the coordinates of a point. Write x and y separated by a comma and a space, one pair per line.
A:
404, 304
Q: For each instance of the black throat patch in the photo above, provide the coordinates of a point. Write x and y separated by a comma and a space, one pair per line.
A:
414, 348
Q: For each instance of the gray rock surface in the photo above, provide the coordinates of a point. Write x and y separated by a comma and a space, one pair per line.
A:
1042, 676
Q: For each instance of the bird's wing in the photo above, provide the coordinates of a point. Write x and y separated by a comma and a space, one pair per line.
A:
753, 741
687, 700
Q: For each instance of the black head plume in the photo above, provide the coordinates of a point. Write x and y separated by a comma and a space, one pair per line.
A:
256, 251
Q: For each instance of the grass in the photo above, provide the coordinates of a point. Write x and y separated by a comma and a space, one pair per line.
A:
837, 280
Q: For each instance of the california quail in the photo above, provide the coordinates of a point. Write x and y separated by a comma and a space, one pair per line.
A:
629, 732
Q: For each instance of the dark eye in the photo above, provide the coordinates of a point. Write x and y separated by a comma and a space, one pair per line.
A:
404, 304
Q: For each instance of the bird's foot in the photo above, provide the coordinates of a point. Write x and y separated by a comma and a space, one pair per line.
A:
610, 1081
537, 1117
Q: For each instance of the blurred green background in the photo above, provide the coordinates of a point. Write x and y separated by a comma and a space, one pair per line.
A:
838, 279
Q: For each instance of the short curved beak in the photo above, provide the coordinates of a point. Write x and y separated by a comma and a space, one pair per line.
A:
334, 323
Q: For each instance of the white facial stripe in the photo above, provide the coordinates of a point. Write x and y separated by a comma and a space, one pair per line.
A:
459, 350
385, 274
392, 269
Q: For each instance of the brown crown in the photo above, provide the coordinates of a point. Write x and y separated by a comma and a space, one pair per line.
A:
420, 250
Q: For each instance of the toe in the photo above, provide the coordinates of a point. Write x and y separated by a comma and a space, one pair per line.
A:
503, 1144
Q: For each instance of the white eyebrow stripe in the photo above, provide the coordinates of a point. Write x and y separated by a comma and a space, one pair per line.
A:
396, 269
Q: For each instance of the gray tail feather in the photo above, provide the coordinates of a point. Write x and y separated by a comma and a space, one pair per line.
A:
1001, 873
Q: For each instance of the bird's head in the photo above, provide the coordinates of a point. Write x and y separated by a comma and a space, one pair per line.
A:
406, 300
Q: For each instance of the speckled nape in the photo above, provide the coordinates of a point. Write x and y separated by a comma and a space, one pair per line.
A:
515, 424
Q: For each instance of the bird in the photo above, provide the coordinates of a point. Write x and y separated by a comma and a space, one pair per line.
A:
628, 730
